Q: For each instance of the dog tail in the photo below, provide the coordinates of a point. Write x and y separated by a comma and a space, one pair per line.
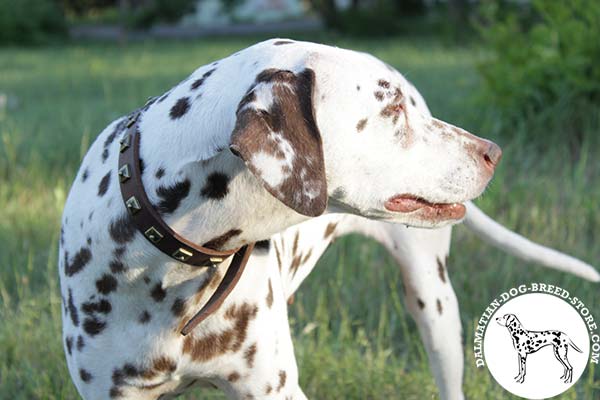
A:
573, 346
523, 248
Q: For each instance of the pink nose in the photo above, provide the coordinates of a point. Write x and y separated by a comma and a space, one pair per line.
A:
491, 154
486, 152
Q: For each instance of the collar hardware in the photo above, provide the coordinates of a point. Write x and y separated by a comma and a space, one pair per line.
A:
149, 222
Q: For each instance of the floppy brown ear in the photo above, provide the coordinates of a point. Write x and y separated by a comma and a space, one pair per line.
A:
277, 137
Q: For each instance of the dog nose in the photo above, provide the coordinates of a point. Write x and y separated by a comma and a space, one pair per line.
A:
491, 154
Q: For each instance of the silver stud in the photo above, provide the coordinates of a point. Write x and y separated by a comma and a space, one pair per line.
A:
132, 120
182, 254
124, 173
153, 234
133, 205
216, 260
125, 143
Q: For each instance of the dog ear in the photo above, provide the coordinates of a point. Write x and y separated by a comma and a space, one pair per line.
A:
277, 137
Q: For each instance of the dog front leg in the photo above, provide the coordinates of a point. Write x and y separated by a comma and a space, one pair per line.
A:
432, 302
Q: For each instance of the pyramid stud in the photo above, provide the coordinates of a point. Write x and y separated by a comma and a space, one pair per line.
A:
182, 254
124, 173
153, 234
125, 143
132, 120
133, 205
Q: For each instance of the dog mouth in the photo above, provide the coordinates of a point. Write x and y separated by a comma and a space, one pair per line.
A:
407, 203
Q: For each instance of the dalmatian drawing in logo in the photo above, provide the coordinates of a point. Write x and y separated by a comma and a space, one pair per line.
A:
528, 342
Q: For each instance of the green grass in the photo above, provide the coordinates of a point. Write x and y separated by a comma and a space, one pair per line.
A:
361, 342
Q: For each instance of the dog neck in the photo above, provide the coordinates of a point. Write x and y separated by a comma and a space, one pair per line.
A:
216, 203
514, 328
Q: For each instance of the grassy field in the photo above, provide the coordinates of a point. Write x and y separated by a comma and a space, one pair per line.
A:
364, 345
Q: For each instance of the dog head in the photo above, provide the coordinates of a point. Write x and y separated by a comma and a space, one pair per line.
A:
508, 320
345, 128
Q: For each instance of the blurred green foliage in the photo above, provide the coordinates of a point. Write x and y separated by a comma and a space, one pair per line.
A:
544, 64
369, 18
30, 21
146, 13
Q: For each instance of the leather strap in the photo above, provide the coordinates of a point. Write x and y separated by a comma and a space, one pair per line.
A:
231, 278
156, 231
143, 214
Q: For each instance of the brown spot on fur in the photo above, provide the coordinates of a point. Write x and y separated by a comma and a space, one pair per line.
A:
438, 124
158, 293
361, 124
106, 284
439, 306
162, 364
172, 196
218, 242
115, 392
295, 246
278, 257
69, 344
281, 42
270, 295
81, 259
85, 375
180, 108
295, 264
268, 389
249, 355
420, 303
282, 379
230, 340
144, 317
215, 280
383, 83
178, 307
441, 271
306, 256
122, 229
233, 377
104, 183
378, 95
330, 229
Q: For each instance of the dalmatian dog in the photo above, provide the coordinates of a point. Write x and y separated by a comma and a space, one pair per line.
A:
303, 130
528, 342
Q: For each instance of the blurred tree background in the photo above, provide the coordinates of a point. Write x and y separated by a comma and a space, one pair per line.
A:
541, 64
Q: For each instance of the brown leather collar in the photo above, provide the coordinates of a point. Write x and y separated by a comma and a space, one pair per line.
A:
153, 227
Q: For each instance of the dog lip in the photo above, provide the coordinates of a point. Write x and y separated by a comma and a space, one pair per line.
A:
406, 203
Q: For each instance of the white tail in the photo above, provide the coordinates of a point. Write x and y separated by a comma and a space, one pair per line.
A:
515, 244
573, 346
